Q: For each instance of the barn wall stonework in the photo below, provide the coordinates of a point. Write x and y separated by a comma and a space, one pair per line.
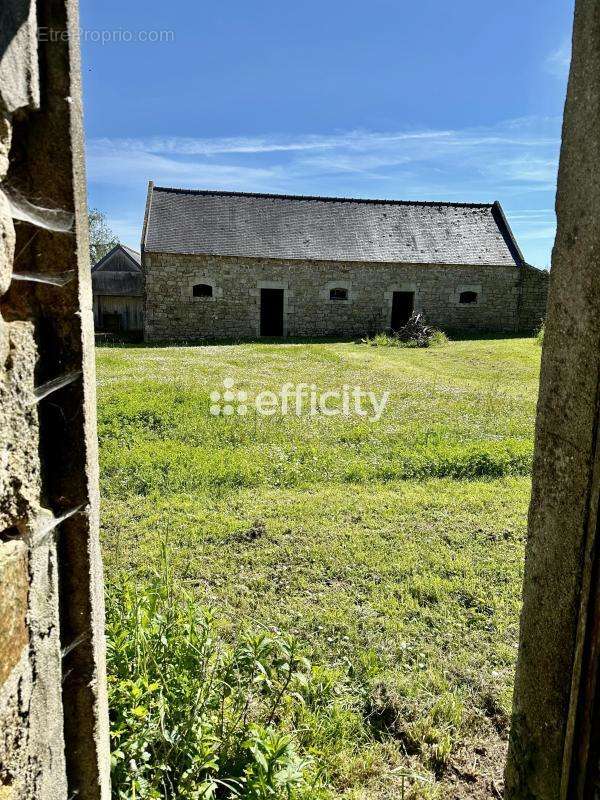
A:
509, 299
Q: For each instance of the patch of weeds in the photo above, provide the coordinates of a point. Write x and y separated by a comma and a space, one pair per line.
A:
494, 711
430, 733
194, 716
539, 337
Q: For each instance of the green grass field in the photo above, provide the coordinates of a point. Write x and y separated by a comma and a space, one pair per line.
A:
392, 550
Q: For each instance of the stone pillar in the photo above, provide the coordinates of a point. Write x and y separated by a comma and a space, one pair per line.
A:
546, 737
53, 711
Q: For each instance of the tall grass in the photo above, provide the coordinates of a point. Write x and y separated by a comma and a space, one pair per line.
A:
141, 469
194, 715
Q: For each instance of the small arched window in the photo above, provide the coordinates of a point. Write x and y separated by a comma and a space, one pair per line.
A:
202, 290
338, 294
467, 298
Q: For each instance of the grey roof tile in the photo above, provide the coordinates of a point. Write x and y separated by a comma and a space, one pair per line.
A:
327, 229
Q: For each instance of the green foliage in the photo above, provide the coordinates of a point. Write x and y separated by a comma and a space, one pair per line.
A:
438, 339
540, 334
463, 411
102, 239
193, 716
179, 468
387, 340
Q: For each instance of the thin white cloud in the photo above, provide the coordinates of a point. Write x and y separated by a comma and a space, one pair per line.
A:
559, 60
513, 161
188, 146
109, 163
360, 141
528, 169
539, 234
521, 149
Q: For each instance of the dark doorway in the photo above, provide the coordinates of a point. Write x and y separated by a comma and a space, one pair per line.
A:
403, 305
112, 323
271, 312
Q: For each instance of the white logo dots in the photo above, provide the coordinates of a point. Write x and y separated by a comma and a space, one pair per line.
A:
233, 402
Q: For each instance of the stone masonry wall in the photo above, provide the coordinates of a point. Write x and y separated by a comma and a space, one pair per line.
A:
32, 762
533, 297
53, 716
509, 298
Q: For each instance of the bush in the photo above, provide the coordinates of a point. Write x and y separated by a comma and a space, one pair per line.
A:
195, 717
540, 334
415, 333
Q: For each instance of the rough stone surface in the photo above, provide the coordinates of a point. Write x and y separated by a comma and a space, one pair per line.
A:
15, 765
19, 471
46, 712
5, 140
565, 490
19, 70
31, 729
510, 298
7, 243
53, 710
14, 580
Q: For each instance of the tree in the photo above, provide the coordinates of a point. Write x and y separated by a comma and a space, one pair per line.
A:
102, 239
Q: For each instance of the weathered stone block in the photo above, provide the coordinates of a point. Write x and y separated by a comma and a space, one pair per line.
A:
19, 71
19, 464
14, 589
7, 242
5, 142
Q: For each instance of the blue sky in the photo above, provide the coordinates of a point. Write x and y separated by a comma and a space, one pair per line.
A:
426, 100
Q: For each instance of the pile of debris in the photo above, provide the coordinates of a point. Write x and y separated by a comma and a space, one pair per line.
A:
415, 331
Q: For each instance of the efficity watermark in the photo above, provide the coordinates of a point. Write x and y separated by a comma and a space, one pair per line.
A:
300, 399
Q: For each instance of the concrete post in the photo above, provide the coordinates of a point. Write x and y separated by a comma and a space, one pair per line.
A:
563, 513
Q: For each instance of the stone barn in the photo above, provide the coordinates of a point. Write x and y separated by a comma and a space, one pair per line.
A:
118, 290
229, 264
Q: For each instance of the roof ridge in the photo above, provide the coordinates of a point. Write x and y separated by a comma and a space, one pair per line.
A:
322, 198
135, 258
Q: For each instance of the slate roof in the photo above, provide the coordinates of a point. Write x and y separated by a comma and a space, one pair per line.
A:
327, 228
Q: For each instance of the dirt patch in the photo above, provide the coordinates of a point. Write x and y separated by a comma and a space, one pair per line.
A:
477, 774
254, 532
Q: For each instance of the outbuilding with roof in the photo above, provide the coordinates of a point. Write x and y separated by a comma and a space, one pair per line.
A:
233, 264
118, 291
